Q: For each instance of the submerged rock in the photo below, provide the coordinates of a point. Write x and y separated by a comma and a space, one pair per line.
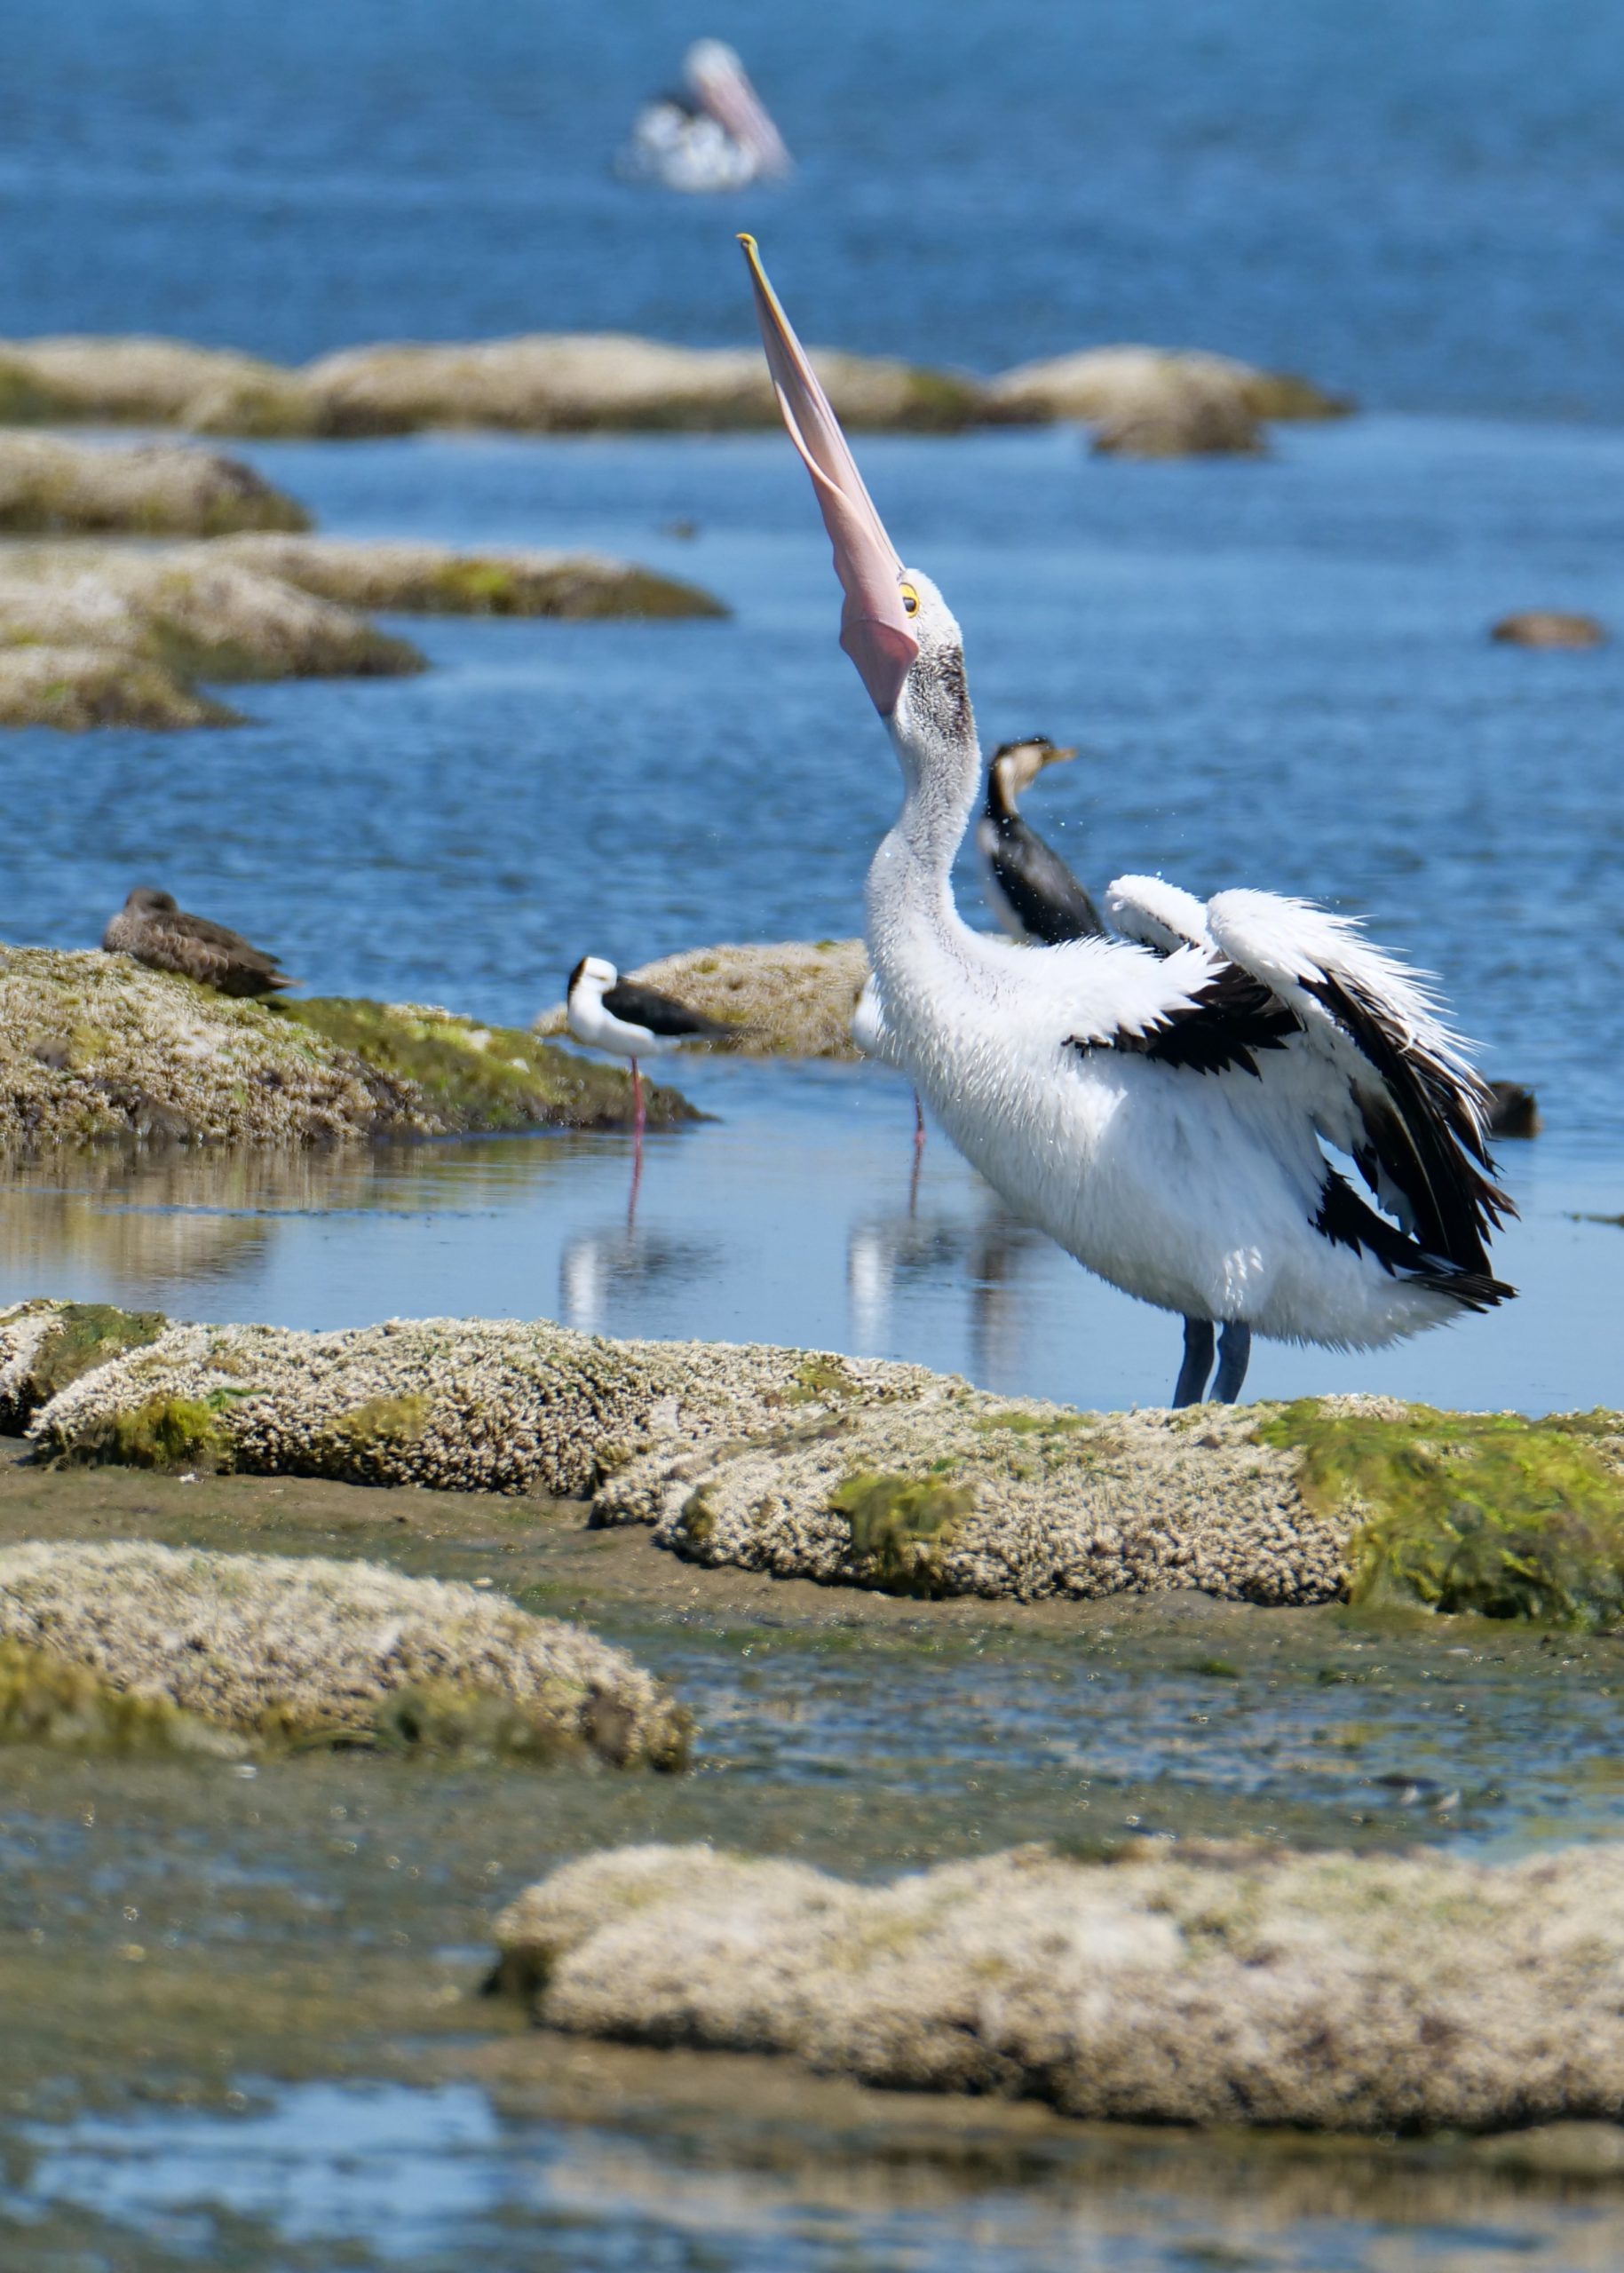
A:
1212, 401
162, 489
279, 1647
790, 1000
76, 688
1547, 626
435, 580
563, 382
1181, 1984
95, 1046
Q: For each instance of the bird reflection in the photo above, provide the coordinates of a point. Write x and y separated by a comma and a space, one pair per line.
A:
893, 1255
606, 1268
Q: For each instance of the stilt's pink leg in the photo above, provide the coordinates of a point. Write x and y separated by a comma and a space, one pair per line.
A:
919, 1124
639, 1110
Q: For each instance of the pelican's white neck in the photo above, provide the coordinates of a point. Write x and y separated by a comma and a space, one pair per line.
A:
933, 733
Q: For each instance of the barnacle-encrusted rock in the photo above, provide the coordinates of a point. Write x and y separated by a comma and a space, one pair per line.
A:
563, 382
45, 1345
463, 1404
794, 999
280, 1646
978, 1496
195, 610
162, 489
95, 1046
74, 688
1207, 1983
1549, 627
146, 382
1148, 402
436, 580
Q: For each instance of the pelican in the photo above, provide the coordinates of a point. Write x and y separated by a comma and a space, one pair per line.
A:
1030, 889
615, 1014
1159, 1108
715, 135
150, 927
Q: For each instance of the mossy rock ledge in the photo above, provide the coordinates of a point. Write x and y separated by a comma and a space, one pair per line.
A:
1185, 1982
130, 1643
95, 1047
864, 1473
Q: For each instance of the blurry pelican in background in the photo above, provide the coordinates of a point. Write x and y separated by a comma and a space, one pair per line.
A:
714, 134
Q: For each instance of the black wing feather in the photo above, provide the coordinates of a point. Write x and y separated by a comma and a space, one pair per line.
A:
644, 1006
1223, 1025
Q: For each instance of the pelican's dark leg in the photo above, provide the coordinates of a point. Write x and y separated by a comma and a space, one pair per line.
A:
1190, 1387
1234, 1348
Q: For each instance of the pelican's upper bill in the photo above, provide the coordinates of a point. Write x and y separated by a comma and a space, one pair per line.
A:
874, 622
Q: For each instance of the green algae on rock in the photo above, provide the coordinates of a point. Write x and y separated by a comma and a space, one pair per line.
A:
1189, 1983
95, 1046
793, 999
474, 1077
463, 1404
44, 1700
1481, 1512
287, 1649
161, 489
76, 688
196, 611
45, 1345
437, 580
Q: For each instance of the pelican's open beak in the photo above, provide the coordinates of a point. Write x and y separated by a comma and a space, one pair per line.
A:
873, 624
718, 79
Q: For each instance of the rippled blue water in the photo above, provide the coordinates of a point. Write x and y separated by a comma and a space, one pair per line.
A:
1418, 200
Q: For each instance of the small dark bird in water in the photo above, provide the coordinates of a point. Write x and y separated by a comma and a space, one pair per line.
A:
1515, 1112
150, 927
1029, 888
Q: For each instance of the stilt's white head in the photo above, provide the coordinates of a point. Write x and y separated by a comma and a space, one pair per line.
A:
895, 625
590, 980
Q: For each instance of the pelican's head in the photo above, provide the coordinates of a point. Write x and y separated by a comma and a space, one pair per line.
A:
593, 976
721, 87
895, 625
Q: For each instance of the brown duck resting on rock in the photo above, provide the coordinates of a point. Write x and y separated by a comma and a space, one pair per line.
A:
150, 927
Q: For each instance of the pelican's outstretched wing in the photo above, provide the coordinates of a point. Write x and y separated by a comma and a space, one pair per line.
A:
1383, 1077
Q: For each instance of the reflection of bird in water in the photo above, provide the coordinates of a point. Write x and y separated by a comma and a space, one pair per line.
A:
151, 927
1029, 888
715, 135
1000, 1317
888, 1249
1160, 1115
616, 1262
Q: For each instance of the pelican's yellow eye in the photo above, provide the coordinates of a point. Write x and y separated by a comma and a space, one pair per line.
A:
910, 599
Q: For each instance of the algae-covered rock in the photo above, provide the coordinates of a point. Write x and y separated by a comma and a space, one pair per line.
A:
473, 1077
44, 1700
284, 1648
76, 688
1484, 1512
560, 382
1181, 1984
161, 489
95, 1046
137, 381
436, 580
45, 1345
192, 610
965, 1493
462, 1404
794, 999
1121, 386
